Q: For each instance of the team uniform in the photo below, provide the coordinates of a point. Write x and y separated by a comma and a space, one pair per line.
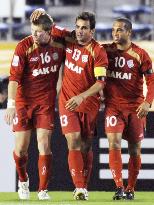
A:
123, 95
36, 69
82, 65
124, 90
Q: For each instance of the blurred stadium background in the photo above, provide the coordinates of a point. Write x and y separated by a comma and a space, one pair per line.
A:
14, 25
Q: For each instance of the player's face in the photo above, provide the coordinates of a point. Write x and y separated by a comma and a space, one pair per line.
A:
120, 34
83, 32
39, 35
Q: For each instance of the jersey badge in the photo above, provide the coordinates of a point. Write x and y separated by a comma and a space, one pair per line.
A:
15, 60
55, 56
84, 58
130, 63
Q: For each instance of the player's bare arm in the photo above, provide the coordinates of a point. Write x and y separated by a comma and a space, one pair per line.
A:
143, 109
75, 101
10, 112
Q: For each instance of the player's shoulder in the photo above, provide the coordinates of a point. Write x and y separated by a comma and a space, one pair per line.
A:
142, 53
96, 45
96, 49
109, 46
25, 43
137, 48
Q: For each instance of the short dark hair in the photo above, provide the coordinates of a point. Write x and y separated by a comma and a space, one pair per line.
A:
45, 21
87, 16
126, 21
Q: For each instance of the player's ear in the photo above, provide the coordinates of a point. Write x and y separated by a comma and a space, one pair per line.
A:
92, 31
130, 33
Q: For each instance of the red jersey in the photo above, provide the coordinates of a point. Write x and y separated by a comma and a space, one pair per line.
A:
36, 69
82, 65
124, 84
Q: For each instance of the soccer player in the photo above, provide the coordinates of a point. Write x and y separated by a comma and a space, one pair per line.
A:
31, 100
126, 107
84, 76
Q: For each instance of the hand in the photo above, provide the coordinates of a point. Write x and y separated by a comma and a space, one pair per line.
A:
9, 115
36, 14
72, 103
143, 110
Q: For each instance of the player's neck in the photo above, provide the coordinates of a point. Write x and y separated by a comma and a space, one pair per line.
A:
124, 46
81, 43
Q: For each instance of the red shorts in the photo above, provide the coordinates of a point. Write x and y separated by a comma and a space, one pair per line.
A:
125, 122
33, 116
78, 122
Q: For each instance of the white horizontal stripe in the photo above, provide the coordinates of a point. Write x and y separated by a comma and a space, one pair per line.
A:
146, 158
146, 143
4, 65
143, 174
6, 55
7, 52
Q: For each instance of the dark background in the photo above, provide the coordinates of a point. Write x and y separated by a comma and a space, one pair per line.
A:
61, 179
